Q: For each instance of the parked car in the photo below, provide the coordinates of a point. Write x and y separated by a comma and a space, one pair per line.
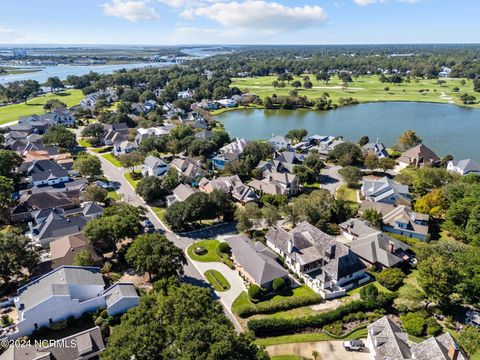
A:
353, 345
6, 303
148, 226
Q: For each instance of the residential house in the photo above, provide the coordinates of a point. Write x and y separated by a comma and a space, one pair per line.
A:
326, 265
60, 116
150, 105
68, 291
229, 153
115, 133
203, 134
385, 191
277, 184
376, 148
181, 193
400, 219
143, 134
124, 147
386, 340
230, 185
29, 203
419, 156
187, 94
227, 103
187, 167
138, 109
85, 345
381, 250
207, 105
464, 167
53, 223
279, 142
47, 172
268, 167
154, 166
255, 261
288, 159
63, 252
355, 228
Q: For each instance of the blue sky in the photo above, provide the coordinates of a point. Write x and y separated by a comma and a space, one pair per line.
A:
170, 22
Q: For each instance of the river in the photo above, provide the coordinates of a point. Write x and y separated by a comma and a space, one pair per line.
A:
446, 129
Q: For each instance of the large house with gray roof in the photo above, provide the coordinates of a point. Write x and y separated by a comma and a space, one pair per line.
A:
326, 265
386, 191
87, 344
386, 340
255, 261
419, 156
68, 291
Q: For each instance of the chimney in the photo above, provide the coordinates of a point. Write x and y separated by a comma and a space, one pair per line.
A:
331, 251
290, 245
453, 351
391, 248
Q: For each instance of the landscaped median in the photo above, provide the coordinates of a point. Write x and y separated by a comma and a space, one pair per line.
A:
217, 280
209, 251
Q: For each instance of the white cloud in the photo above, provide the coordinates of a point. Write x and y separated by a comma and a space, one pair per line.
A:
10, 36
131, 10
255, 15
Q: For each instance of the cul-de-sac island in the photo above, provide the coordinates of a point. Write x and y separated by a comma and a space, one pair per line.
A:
237, 202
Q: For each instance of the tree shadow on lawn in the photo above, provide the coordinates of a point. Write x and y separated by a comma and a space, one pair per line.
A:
327, 179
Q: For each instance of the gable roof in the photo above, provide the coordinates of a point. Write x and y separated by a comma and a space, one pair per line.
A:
152, 162
380, 248
384, 188
182, 192
421, 153
256, 259
467, 165
389, 340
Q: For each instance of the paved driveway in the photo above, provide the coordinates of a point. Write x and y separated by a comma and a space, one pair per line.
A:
328, 350
330, 178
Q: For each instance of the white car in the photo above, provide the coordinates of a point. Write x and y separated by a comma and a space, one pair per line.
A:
353, 345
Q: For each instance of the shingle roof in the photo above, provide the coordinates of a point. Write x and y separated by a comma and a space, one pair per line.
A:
379, 248
120, 291
389, 340
256, 259
57, 282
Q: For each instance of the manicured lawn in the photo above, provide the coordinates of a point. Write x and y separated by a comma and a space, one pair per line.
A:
347, 194
112, 194
243, 301
376, 283
84, 143
35, 106
131, 180
112, 159
222, 110
217, 280
210, 246
364, 89
159, 212
308, 337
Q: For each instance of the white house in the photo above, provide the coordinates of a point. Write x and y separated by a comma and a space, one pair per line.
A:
154, 166
385, 191
125, 147
68, 291
279, 142
464, 167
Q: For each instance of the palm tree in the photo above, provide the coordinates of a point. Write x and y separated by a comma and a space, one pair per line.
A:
315, 354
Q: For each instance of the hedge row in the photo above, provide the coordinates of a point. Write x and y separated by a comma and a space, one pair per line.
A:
279, 326
268, 307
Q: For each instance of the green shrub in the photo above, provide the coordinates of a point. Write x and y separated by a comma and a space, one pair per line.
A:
255, 292
43, 330
277, 326
391, 278
433, 327
99, 321
278, 285
368, 292
59, 325
336, 328
104, 314
414, 323
223, 248
71, 321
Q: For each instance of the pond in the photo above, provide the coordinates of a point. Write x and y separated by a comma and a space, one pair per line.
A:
446, 129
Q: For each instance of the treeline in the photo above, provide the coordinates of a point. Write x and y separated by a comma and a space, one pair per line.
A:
424, 60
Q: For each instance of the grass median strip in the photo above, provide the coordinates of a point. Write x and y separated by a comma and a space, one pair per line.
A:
217, 280
112, 160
